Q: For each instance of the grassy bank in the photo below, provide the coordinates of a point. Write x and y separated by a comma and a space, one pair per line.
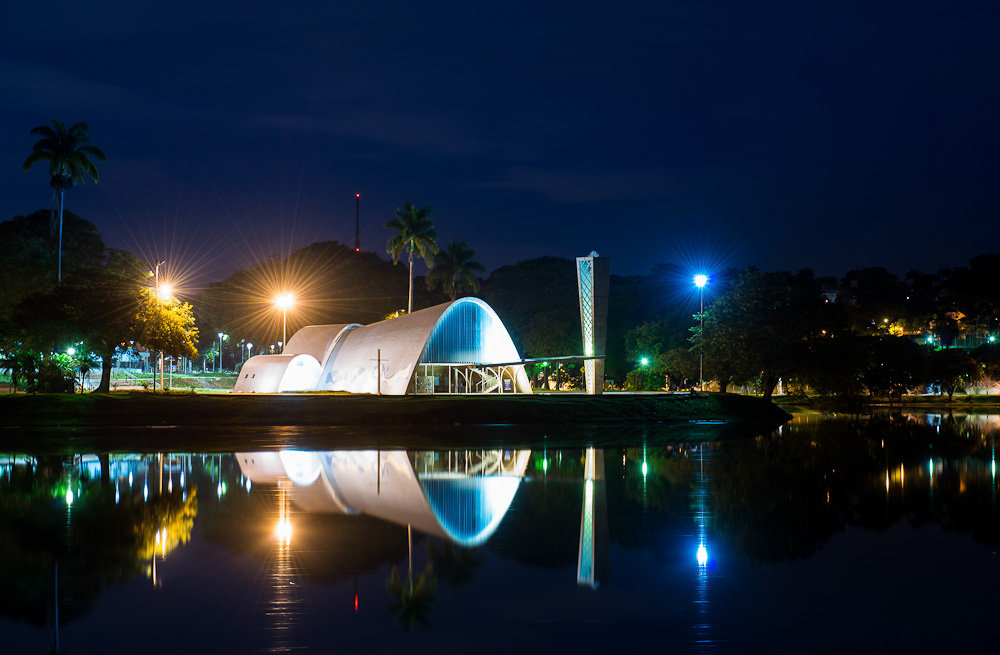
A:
960, 401
328, 409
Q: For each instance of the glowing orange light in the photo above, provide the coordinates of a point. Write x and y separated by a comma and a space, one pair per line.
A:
355, 602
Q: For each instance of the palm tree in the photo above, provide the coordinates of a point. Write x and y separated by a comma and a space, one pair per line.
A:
455, 270
68, 153
411, 603
414, 231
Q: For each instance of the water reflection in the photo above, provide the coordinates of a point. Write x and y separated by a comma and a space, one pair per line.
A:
458, 495
68, 530
666, 534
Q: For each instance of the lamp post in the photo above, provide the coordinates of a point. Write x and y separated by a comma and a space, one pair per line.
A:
160, 295
284, 301
645, 376
221, 334
700, 281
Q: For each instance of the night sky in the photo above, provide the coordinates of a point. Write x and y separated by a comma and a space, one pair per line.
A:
778, 134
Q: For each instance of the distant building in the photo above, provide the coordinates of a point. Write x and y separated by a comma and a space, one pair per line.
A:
458, 347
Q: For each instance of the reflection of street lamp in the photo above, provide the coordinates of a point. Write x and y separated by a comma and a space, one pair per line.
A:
284, 301
284, 527
700, 281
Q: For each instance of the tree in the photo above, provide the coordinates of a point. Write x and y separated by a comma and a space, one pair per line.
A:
414, 231
166, 325
68, 153
680, 364
411, 602
537, 300
113, 292
988, 358
332, 283
26, 255
762, 328
895, 365
454, 565
952, 369
455, 270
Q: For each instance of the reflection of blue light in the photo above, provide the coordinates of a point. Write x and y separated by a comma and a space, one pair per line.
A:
219, 490
145, 492
118, 495
69, 496
248, 485
470, 509
702, 555
545, 466
645, 468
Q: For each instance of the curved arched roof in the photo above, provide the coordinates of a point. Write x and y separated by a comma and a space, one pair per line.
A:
383, 357
277, 373
465, 331
318, 340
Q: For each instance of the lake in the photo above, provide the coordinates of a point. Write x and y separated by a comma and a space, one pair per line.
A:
833, 533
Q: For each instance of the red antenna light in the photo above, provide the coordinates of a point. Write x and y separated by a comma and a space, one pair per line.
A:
355, 602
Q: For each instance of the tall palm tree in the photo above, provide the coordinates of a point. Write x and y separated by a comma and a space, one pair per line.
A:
455, 269
68, 153
414, 231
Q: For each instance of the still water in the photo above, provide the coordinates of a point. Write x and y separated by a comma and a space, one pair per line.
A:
873, 533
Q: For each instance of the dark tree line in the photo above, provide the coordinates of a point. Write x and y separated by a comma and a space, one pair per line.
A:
49, 331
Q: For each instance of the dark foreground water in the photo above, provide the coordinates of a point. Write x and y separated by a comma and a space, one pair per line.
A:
832, 534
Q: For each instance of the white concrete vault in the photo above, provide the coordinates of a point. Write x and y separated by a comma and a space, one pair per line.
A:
454, 348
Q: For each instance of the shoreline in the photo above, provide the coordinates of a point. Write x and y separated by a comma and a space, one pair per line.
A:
135, 409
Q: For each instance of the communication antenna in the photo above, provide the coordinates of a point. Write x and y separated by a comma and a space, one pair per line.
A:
357, 222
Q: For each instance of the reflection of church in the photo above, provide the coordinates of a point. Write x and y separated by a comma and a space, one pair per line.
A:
458, 495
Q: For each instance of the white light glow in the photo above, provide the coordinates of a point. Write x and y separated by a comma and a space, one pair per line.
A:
702, 555
700, 280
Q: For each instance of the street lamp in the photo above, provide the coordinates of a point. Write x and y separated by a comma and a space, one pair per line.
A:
163, 293
284, 301
221, 335
700, 281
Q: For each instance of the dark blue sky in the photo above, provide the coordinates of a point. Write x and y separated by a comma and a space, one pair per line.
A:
780, 134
